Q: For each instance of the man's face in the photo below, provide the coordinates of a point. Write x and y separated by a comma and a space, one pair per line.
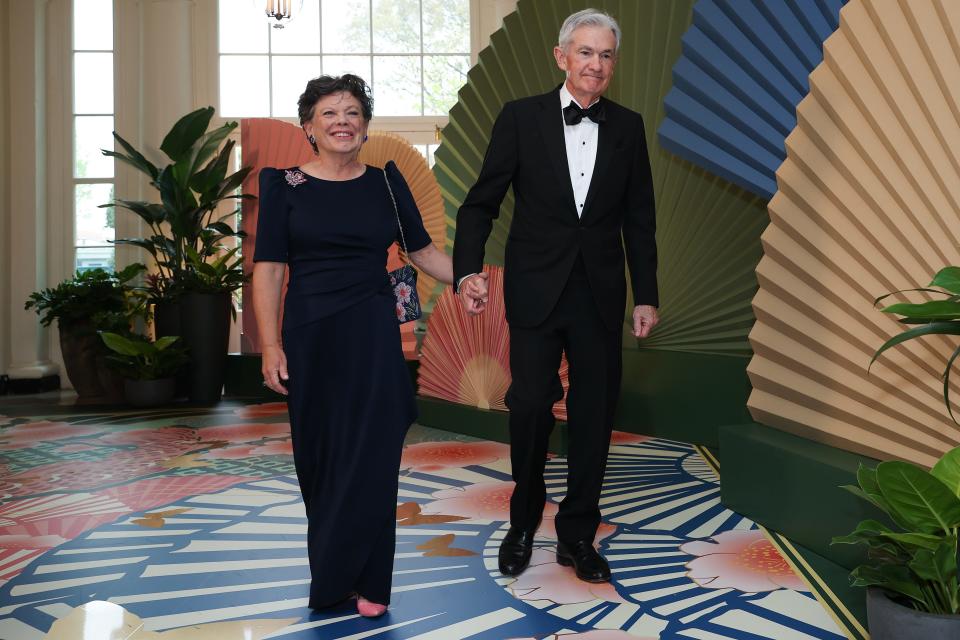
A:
588, 60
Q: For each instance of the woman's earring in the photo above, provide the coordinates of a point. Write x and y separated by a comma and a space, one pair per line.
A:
364, 137
312, 139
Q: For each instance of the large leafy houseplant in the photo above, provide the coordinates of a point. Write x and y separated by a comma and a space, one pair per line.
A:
917, 560
91, 301
186, 234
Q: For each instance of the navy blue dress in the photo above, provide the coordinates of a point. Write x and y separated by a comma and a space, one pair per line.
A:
351, 399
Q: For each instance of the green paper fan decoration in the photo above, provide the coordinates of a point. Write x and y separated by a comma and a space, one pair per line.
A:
708, 229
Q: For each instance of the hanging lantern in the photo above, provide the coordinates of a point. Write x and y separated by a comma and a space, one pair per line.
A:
281, 12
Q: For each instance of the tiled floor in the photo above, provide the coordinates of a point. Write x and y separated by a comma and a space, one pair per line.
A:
187, 523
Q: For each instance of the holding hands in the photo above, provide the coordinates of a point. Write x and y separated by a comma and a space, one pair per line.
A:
473, 293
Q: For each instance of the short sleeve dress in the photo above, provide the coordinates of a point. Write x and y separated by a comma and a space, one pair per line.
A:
351, 399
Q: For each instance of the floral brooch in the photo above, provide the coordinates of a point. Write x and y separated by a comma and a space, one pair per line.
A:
295, 177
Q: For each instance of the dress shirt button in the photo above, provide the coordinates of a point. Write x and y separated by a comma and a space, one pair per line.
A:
581, 173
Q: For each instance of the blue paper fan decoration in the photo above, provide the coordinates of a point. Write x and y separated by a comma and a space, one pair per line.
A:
744, 70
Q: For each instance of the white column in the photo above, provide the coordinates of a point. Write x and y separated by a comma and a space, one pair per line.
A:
27, 219
154, 65
167, 67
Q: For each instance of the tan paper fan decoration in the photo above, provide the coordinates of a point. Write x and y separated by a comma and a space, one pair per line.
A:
868, 203
466, 359
274, 143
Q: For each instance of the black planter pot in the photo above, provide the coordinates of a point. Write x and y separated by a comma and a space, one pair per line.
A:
202, 320
889, 620
149, 393
166, 322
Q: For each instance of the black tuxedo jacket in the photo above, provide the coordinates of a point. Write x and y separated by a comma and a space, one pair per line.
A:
527, 150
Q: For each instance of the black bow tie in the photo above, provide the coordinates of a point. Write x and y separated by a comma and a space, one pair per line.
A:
573, 114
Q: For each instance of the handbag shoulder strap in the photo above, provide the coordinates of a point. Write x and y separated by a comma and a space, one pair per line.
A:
396, 210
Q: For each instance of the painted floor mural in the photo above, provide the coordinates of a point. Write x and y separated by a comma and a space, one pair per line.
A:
171, 525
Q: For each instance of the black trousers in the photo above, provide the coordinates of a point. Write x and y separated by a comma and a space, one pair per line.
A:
593, 353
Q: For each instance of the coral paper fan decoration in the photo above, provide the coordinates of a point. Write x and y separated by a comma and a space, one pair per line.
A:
273, 143
466, 359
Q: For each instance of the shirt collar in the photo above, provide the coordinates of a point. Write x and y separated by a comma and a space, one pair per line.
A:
566, 97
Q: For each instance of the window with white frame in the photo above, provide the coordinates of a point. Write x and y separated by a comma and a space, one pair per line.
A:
92, 111
414, 54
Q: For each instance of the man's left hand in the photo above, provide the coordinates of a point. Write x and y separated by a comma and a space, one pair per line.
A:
645, 318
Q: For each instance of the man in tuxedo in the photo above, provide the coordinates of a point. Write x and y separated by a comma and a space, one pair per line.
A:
581, 176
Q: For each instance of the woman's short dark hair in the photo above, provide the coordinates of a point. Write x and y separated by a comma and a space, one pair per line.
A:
328, 85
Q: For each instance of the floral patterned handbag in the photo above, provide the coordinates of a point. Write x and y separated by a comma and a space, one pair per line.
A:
404, 279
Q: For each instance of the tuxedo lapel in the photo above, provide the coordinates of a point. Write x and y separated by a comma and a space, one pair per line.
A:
606, 141
551, 130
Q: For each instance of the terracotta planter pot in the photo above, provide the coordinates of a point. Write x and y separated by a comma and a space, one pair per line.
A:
83, 354
889, 620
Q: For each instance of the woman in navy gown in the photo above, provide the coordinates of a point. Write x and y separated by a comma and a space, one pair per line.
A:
338, 356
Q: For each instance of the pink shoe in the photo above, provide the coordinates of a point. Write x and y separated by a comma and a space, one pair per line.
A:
370, 609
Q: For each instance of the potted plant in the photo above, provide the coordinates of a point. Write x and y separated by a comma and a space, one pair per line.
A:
91, 301
911, 568
196, 273
148, 368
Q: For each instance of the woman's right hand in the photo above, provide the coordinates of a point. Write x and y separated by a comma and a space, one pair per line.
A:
274, 368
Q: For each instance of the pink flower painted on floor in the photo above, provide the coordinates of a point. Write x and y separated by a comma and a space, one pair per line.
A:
238, 433
238, 452
481, 501
228, 453
151, 493
74, 448
622, 437
264, 410
163, 442
742, 560
28, 434
433, 456
550, 581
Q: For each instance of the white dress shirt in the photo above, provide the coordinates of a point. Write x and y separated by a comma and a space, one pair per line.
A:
581, 143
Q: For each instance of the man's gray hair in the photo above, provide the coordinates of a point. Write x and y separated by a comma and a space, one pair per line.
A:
587, 17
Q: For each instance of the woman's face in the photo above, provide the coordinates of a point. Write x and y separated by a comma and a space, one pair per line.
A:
337, 124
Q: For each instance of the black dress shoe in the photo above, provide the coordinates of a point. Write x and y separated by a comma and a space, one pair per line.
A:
515, 551
590, 565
